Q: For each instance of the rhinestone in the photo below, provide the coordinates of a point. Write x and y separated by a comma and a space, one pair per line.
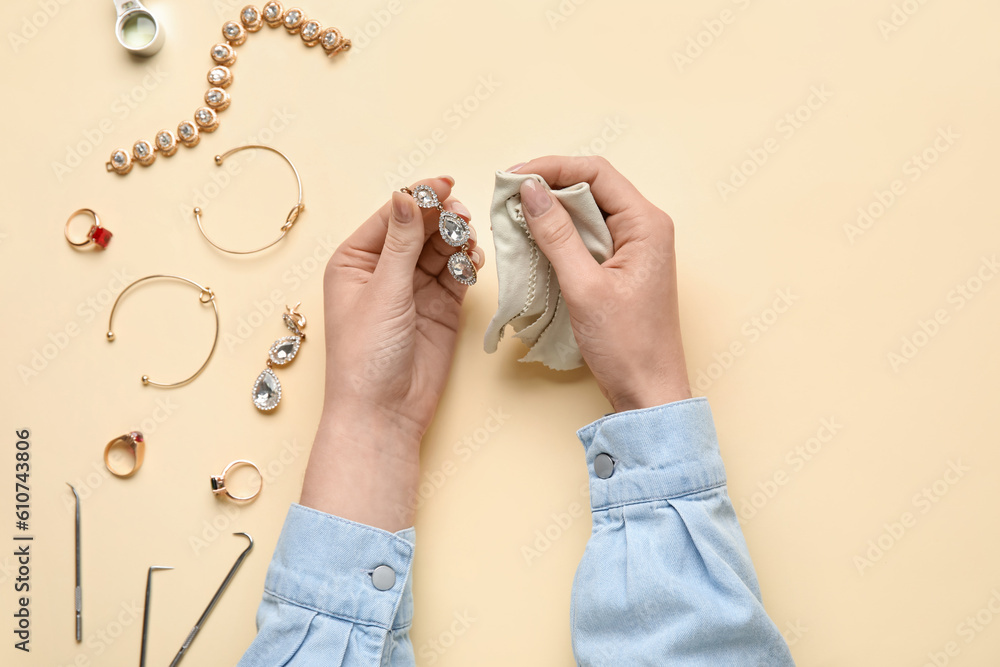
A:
425, 196
143, 153
163, 139
462, 269
188, 133
266, 391
119, 158
284, 350
330, 40
220, 76
217, 98
310, 29
234, 33
203, 116
272, 11
454, 230
250, 15
293, 18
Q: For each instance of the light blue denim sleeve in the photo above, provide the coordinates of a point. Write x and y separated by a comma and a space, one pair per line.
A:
666, 578
320, 606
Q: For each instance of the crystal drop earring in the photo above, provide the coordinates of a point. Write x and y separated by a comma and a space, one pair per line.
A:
267, 388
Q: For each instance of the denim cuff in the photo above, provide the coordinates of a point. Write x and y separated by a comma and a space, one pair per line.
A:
658, 453
325, 563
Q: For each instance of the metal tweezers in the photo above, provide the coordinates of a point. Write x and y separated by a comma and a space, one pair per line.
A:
78, 593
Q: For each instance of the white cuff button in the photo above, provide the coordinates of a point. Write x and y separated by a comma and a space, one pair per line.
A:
383, 578
604, 466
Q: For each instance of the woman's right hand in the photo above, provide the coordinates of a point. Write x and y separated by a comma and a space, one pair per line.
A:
623, 312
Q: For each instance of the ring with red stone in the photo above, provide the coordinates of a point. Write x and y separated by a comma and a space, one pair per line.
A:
220, 485
96, 236
136, 444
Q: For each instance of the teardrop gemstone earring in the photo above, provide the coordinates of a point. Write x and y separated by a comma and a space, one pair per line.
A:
267, 388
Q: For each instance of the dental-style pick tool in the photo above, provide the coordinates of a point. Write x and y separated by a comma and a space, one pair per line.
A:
215, 599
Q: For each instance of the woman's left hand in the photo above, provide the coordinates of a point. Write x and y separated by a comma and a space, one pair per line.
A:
392, 313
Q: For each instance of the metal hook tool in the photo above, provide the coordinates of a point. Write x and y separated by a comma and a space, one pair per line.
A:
145, 611
78, 593
214, 601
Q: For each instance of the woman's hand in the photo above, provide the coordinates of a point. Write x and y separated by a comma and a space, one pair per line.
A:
392, 314
624, 311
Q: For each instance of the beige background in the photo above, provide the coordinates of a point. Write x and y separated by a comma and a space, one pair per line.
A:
530, 78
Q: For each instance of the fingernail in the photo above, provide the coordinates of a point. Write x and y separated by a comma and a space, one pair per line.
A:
477, 257
472, 234
536, 200
402, 209
459, 207
511, 170
449, 179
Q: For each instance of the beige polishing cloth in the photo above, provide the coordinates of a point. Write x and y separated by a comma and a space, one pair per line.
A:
530, 300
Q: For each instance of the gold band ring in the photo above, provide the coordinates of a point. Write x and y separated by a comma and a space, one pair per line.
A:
136, 443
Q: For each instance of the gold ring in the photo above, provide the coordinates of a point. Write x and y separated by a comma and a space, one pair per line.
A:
219, 482
135, 442
96, 235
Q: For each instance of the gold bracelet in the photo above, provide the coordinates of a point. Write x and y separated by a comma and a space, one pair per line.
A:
206, 118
